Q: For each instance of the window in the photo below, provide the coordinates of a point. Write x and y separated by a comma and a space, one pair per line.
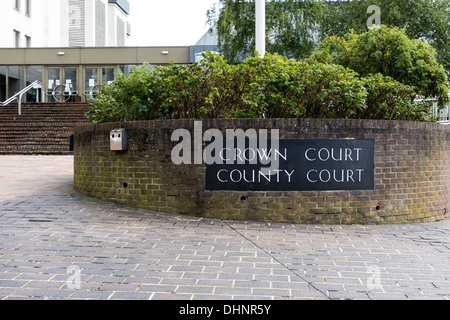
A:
15, 79
16, 39
34, 73
3, 83
128, 29
107, 75
126, 69
28, 8
28, 41
120, 32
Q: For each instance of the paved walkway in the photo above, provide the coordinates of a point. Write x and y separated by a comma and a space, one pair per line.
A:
58, 244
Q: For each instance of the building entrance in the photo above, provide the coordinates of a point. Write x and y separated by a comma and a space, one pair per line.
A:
77, 83
62, 84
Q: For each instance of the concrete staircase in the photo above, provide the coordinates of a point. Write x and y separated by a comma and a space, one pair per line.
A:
43, 128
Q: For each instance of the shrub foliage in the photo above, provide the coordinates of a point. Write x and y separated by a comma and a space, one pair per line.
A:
390, 52
368, 76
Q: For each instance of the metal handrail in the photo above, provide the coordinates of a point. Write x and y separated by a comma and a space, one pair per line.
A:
442, 115
94, 91
19, 95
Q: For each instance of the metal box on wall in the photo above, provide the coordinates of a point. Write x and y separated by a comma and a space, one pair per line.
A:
118, 140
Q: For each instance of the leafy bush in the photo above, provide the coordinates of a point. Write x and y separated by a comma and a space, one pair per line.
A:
272, 87
149, 94
390, 52
391, 100
285, 88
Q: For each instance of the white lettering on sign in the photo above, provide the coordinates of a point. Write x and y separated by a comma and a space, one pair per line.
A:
327, 155
335, 154
251, 176
339, 176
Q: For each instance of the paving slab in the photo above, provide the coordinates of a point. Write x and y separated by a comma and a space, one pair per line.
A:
56, 243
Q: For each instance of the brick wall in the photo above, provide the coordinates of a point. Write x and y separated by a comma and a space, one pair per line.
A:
412, 173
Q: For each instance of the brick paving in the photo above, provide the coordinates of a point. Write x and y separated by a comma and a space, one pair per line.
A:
58, 244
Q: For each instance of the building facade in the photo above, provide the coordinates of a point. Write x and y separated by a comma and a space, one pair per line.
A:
73, 48
208, 42
64, 23
74, 74
44, 24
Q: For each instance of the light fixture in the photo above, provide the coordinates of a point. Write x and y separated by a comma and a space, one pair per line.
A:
61, 53
165, 53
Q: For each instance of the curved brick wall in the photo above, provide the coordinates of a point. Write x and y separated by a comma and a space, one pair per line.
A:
412, 173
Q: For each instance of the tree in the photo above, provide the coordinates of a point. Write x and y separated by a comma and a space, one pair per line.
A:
295, 27
388, 51
292, 27
422, 19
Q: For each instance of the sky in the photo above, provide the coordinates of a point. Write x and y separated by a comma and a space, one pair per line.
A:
168, 22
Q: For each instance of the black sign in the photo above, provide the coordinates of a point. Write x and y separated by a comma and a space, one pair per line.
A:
294, 165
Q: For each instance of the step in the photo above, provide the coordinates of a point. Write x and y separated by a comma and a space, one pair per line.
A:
16, 138
41, 128
31, 124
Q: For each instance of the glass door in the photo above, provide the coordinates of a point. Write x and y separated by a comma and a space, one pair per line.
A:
95, 78
62, 84
54, 82
70, 84
91, 83
107, 76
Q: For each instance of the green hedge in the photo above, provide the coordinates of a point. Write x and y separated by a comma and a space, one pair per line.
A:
272, 87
